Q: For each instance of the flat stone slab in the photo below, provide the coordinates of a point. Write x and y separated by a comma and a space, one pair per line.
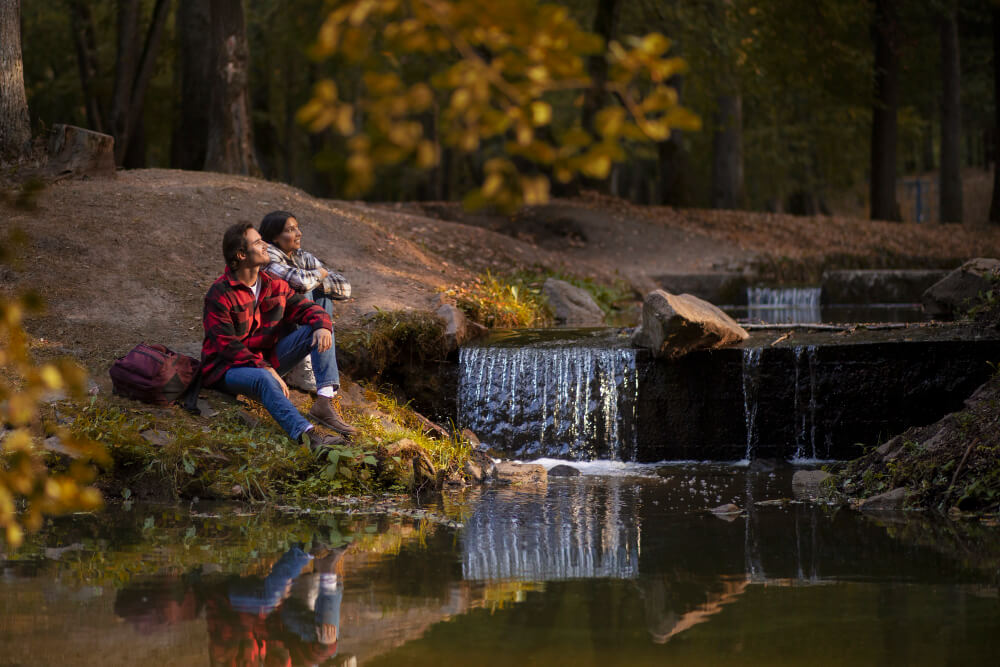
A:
521, 473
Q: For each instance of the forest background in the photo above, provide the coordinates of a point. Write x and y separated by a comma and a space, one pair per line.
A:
853, 107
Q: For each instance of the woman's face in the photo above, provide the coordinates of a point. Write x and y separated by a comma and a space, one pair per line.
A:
290, 237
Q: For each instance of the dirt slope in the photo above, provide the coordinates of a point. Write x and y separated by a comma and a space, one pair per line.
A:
129, 259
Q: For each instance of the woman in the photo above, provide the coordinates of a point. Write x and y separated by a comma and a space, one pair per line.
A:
302, 271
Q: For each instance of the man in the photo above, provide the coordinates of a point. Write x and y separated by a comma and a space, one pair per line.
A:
251, 339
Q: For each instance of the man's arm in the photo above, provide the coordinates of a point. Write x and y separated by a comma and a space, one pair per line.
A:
301, 310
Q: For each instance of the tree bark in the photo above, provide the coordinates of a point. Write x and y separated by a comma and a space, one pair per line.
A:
672, 161
995, 204
951, 121
727, 153
230, 135
85, 41
884, 127
15, 124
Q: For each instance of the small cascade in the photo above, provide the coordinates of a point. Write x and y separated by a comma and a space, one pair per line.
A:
784, 305
804, 409
751, 383
560, 401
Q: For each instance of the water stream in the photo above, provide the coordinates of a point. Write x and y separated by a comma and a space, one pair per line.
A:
597, 570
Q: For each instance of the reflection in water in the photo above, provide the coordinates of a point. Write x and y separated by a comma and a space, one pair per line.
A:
590, 571
288, 617
573, 531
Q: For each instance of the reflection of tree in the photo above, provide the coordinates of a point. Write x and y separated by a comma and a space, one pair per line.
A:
662, 595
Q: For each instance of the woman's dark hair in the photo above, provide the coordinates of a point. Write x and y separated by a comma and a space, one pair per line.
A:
235, 241
273, 224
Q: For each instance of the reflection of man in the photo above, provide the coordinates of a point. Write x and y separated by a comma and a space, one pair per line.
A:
290, 617
250, 339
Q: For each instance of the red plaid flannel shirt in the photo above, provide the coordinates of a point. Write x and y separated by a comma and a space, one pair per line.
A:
242, 332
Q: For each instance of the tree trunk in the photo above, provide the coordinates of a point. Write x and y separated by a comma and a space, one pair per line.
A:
133, 71
995, 204
727, 153
951, 121
86, 56
605, 24
15, 124
230, 135
195, 74
884, 129
672, 161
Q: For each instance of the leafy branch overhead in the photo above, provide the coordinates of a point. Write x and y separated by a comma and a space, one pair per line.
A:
507, 78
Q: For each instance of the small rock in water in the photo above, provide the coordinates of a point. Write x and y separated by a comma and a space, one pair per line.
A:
563, 471
728, 508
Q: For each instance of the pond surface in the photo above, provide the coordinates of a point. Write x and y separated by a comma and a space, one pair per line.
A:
622, 565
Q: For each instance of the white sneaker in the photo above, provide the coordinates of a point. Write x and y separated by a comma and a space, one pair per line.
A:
301, 376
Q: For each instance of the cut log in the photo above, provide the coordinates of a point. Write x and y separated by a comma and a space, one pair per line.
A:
75, 152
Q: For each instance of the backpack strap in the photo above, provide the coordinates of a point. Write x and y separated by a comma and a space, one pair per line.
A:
189, 399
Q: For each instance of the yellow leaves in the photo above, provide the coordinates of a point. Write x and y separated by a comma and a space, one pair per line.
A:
541, 113
488, 74
24, 476
609, 121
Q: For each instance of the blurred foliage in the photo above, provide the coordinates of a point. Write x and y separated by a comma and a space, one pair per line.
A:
477, 76
502, 302
29, 490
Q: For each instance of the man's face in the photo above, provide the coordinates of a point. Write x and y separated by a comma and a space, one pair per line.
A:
256, 249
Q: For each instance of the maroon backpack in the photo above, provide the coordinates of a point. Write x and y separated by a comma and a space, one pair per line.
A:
153, 374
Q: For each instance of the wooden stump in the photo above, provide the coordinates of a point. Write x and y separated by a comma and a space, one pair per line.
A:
75, 152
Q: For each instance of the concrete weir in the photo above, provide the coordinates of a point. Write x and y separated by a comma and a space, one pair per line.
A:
814, 396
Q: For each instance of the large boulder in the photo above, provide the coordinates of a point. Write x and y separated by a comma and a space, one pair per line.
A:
675, 324
571, 304
960, 288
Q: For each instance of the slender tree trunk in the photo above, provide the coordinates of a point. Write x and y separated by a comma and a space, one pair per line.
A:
727, 153
133, 71
672, 161
230, 134
995, 204
605, 24
194, 71
15, 124
951, 121
85, 41
884, 128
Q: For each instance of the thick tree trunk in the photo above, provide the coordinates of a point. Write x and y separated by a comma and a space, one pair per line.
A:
195, 80
230, 135
86, 56
884, 128
951, 121
15, 124
727, 153
995, 204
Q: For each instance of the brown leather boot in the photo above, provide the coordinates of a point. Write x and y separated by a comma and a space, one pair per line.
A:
325, 412
316, 440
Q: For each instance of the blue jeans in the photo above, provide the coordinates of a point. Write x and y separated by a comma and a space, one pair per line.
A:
258, 383
317, 297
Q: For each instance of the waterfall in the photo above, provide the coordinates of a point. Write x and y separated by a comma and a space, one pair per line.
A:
784, 305
805, 417
751, 382
562, 401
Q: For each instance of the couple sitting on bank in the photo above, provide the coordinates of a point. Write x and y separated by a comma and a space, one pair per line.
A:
269, 310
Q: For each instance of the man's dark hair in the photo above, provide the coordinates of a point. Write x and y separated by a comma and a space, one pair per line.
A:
235, 241
273, 224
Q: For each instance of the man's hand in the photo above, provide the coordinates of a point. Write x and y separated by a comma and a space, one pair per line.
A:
284, 387
323, 273
322, 340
